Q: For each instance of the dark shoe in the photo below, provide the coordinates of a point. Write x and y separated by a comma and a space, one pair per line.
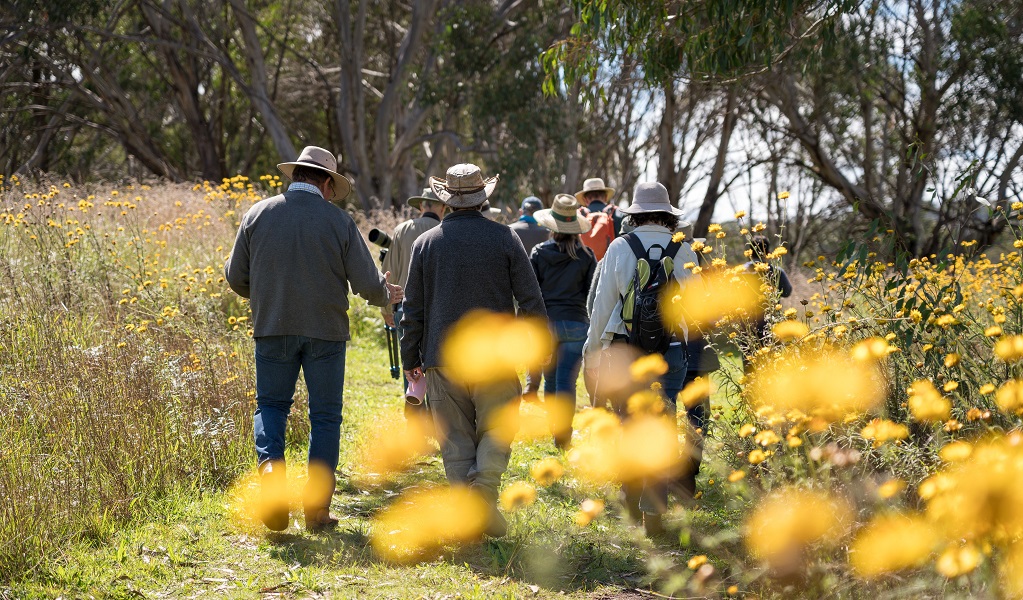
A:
497, 526
275, 509
653, 524
630, 499
319, 519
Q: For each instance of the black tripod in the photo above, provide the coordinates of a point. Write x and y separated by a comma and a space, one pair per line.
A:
393, 350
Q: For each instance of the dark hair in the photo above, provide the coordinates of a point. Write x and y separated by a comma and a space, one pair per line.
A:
759, 245
568, 243
662, 218
595, 195
310, 175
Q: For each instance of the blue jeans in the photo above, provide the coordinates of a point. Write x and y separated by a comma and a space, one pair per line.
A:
278, 360
561, 377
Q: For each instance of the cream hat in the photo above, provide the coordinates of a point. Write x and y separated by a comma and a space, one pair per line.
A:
464, 186
649, 197
563, 216
594, 185
319, 158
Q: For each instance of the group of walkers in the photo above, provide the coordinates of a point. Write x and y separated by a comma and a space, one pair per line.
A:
576, 265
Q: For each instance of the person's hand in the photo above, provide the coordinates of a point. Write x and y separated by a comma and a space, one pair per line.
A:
414, 374
394, 292
388, 318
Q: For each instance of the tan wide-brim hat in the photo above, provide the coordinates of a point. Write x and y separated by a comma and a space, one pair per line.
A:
427, 195
319, 158
489, 211
594, 185
563, 216
650, 197
463, 186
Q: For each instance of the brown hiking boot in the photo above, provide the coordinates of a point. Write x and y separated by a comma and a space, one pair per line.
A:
274, 508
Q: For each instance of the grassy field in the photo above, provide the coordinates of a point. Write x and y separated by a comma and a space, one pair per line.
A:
873, 450
195, 542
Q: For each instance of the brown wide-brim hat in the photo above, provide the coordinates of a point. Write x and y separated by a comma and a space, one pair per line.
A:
322, 159
427, 196
650, 197
463, 186
563, 216
595, 184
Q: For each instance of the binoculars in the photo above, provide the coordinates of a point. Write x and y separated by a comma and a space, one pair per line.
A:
381, 239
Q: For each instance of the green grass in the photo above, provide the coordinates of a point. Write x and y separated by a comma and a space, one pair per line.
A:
188, 544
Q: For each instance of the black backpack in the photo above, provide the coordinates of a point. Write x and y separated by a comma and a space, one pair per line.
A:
641, 306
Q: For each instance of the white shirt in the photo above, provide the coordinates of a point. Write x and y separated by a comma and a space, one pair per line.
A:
616, 274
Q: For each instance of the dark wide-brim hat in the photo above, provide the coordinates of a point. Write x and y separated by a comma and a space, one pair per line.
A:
563, 216
322, 159
427, 196
463, 186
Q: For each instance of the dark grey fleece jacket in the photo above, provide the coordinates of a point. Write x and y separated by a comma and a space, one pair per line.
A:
294, 257
467, 262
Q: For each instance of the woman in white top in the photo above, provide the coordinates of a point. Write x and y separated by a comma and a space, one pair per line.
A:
655, 220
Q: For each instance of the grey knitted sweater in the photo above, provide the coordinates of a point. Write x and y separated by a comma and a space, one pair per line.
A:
294, 257
465, 263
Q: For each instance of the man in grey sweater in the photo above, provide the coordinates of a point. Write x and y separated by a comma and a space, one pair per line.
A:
468, 262
295, 256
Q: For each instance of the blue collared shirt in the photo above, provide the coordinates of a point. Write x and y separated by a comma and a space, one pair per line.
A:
528, 219
301, 186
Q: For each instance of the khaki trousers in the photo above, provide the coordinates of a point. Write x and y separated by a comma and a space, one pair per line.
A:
475, 433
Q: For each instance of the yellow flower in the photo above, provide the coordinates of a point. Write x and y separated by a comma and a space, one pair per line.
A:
645, 402
704, 303
588, 510
1009, 349
547, 471
891, 487
951, 360
783, 195
695, 393
697, 561
993, 331
891, 543
517, 495
873, 348
787, 331
956, 451
956, 561
736, 476
915, 316
883, 430
950, 386
791, 518
485, 347
649, 367
746, 430
420, 523
756, 456
927, 404
987, 388
740, 214
678, 237
1009, 397
767, 438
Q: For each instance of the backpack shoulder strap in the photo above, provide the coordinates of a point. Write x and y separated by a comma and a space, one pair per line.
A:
636, 245
609, 210
672, 249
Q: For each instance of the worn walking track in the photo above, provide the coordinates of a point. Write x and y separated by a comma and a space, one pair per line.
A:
197, 545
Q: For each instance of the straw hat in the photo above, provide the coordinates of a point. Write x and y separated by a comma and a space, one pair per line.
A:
464, 186
319, 158
650, 197
427, 195
594, 185
563, 216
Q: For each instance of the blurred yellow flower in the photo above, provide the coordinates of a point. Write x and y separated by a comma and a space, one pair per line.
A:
993, 331
891, 487
1009, 397
1009, 349
648, 368
827, 384
485, 347
589, 509
926, 402
645, 402
787, 331
951, 360
783, 195
546, 471
955, 451
701, 304
696, 392
747, 430
421, 522
950, 386
697, 561
767, 438
756, 456
735, 476
958, 560
891, 543
987, 388
388, 447
792, 518
883, 430
873, 348
517, 495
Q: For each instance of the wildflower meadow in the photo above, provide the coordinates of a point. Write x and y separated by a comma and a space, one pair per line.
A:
870, 447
